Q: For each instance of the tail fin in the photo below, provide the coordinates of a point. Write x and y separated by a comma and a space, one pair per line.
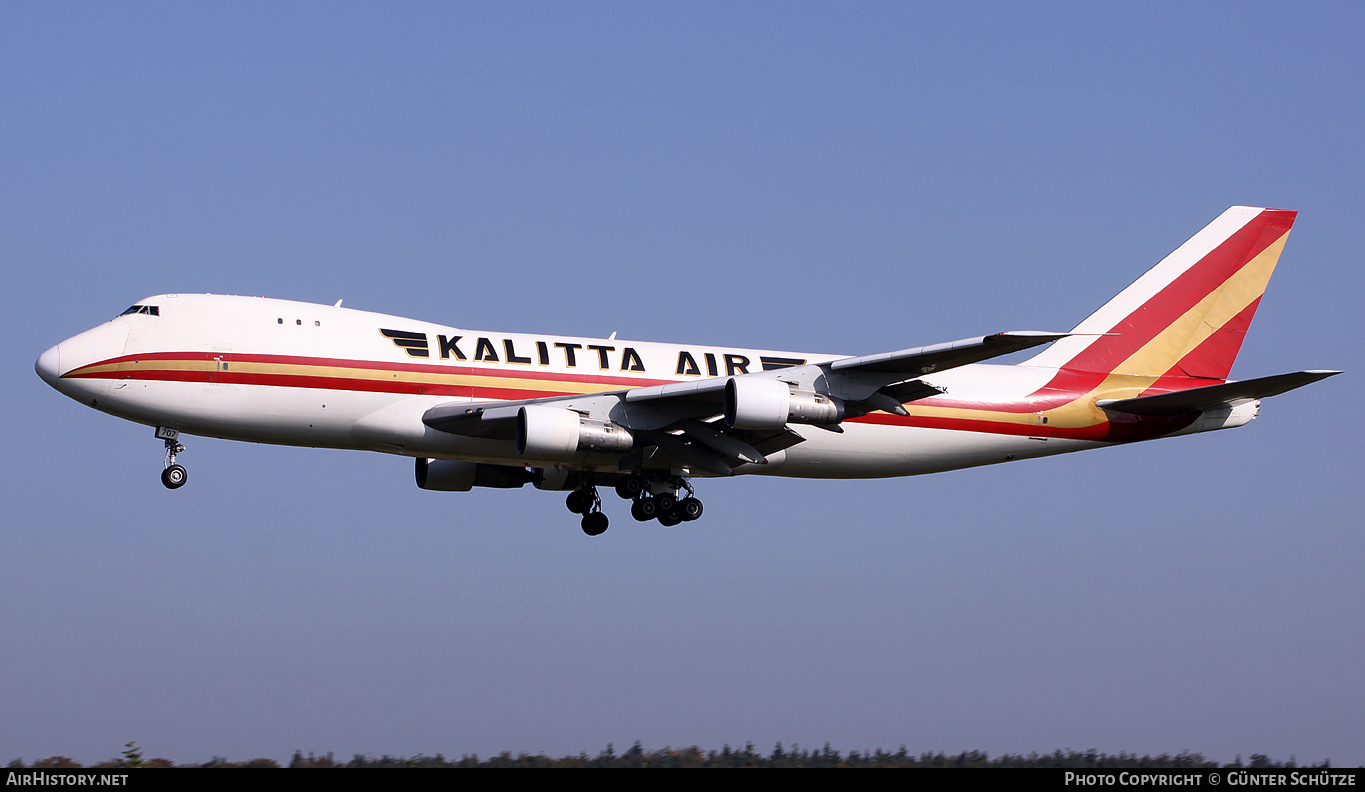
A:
1188, 315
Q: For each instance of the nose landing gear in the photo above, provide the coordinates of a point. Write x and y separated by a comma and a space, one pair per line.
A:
174, 476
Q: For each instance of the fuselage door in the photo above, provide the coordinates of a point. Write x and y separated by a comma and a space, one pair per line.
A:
221, 358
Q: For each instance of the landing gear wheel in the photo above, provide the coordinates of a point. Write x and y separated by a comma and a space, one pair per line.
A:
630, 487
669, 519
595, 524
689, 509
644, 509
174, 477
666, 501
580, 501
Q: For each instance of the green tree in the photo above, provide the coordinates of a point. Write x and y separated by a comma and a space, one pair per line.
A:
132, 756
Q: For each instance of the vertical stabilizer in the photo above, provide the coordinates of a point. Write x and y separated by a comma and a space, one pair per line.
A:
1186, 316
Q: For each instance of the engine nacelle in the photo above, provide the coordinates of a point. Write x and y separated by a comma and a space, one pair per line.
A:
756, 403
809, 407
752, 403
450, 475
546, 432
446, 475
555, 479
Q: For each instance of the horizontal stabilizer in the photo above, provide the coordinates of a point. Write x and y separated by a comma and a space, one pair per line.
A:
1214, 396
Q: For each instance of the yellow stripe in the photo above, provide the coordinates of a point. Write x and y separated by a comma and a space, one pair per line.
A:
93, 370
1217, 308
1076, 414
360, 374
1240, 291
421, 378
1155, 358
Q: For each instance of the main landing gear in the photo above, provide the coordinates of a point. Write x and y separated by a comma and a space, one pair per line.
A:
651, 499
174, 476
659, 499
586, 502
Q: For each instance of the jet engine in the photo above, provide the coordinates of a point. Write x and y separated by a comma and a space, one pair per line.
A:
752, 403
548, 432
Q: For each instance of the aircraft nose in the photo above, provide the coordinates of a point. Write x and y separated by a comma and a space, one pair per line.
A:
49, 366
98, 344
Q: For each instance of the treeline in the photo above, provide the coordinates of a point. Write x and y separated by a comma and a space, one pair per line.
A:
693, 756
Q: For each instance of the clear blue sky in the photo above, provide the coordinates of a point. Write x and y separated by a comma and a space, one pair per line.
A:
778, 175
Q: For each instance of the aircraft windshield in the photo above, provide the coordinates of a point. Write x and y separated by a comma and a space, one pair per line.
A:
152, 310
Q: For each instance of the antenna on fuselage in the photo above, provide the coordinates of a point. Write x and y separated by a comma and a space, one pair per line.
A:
337, 304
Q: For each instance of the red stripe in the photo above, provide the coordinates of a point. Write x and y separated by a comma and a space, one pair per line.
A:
1182, 294
1056, 398
358, 365
337, 383
1096, 432
1064, 388
1214, 356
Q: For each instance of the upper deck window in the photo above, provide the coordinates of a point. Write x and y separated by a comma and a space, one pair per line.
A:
151, 310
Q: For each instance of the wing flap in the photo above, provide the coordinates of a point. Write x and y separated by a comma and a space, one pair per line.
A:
911, 390
723, 443
691, 454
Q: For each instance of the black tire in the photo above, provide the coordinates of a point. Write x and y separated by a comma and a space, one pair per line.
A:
174, 477
578, 501
595, 524
666, 501
669, 519
690, 509
644, 509
630, 487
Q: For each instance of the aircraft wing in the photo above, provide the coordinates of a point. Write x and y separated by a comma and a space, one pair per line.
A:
1214, 396
924, 360
683, 420
854, 378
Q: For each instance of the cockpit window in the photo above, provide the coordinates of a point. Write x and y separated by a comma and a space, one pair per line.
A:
151, 310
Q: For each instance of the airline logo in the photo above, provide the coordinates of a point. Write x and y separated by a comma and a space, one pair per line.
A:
448, 347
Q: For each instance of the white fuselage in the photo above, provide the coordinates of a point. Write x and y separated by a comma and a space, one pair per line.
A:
276, 371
